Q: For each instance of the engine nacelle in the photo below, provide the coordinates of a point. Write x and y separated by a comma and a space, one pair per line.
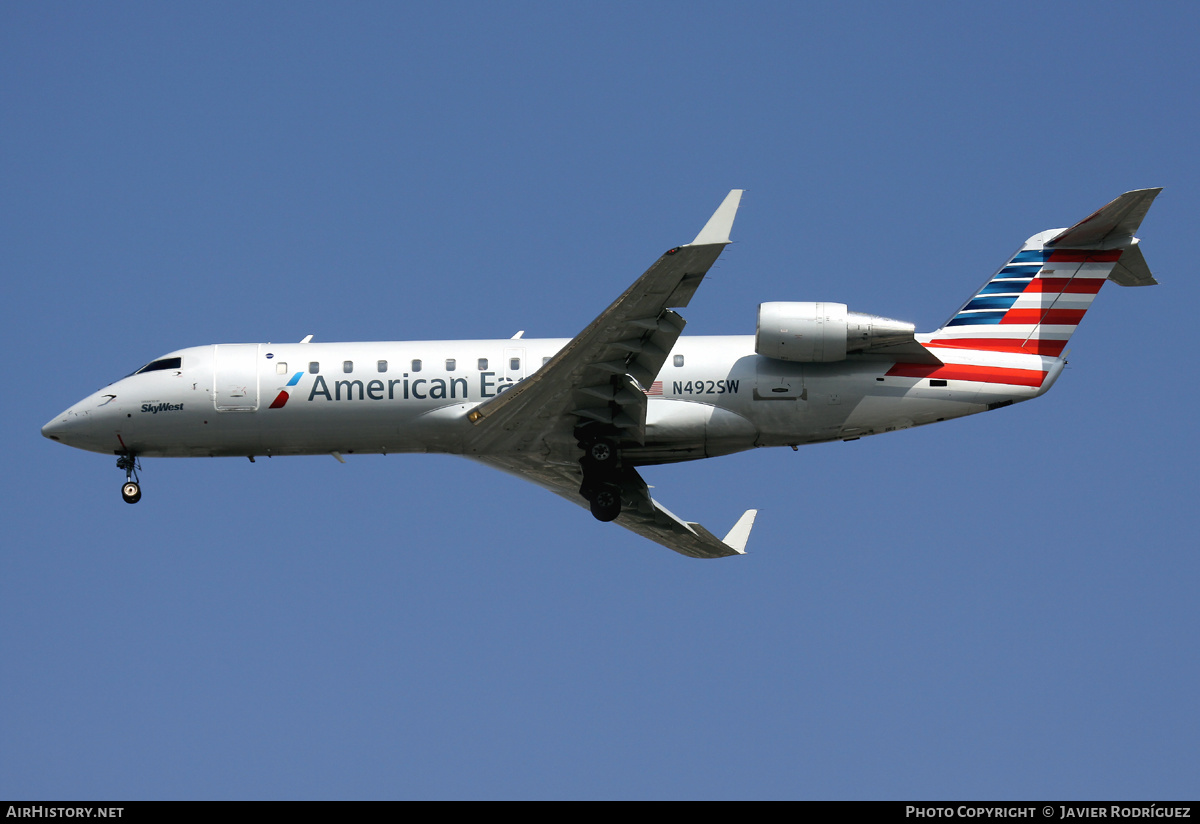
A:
822, 332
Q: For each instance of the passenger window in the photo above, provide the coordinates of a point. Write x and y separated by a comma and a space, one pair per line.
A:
482, 364
679, 360
450, 364
348, 366
381, 365
314, 368
514, 364
416, 365
545, 361
280, 368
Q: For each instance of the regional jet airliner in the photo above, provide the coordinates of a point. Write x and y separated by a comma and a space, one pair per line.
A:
581, 417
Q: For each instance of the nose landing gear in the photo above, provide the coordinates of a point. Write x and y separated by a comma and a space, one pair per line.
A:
131, 491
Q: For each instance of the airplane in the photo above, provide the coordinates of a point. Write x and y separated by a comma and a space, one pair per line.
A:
579, 417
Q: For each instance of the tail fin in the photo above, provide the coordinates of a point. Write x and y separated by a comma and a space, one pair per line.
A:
1033, 304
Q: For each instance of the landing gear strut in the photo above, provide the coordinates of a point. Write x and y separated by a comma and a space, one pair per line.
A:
131, 491
601, 461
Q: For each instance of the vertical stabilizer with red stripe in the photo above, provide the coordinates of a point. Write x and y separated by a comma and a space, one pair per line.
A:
1033, 304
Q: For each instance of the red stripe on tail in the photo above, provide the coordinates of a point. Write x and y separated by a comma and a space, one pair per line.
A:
1033, 346
1070, 286
1084, 256
1056, 317
962, 372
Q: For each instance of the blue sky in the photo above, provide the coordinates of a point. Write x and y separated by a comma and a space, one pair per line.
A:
1001, 606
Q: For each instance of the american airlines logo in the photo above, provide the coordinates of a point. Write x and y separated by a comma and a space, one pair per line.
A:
282, 397
404, 388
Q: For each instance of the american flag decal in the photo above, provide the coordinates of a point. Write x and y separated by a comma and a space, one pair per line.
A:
655, 389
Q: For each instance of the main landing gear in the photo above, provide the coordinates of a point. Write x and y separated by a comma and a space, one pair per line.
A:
601, 460
606, 502
131, 491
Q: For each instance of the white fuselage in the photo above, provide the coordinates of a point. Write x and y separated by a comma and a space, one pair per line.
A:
713, 396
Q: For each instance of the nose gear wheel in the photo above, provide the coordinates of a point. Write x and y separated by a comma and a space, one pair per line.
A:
131, 490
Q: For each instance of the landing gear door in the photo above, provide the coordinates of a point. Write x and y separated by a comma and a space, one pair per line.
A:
235, 377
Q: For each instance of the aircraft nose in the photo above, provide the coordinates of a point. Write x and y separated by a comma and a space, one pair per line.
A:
72, 427
58, 427
88, 424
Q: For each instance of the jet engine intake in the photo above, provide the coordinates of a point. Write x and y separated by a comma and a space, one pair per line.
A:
806, 332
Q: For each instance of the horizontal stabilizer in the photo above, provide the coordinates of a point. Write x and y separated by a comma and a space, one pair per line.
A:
1034, 303
1131, 269
1111, 227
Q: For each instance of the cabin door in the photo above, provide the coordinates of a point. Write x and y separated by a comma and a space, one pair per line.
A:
235, 377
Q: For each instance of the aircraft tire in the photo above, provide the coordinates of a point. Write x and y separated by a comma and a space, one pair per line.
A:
602, 453
606, 503
131, 492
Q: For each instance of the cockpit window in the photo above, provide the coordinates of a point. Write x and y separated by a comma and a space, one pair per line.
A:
159, 365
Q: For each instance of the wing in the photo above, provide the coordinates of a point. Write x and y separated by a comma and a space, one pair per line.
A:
599, 380
589, 379
641, 514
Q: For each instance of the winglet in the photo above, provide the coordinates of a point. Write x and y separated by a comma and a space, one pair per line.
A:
721, 223
737, 537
